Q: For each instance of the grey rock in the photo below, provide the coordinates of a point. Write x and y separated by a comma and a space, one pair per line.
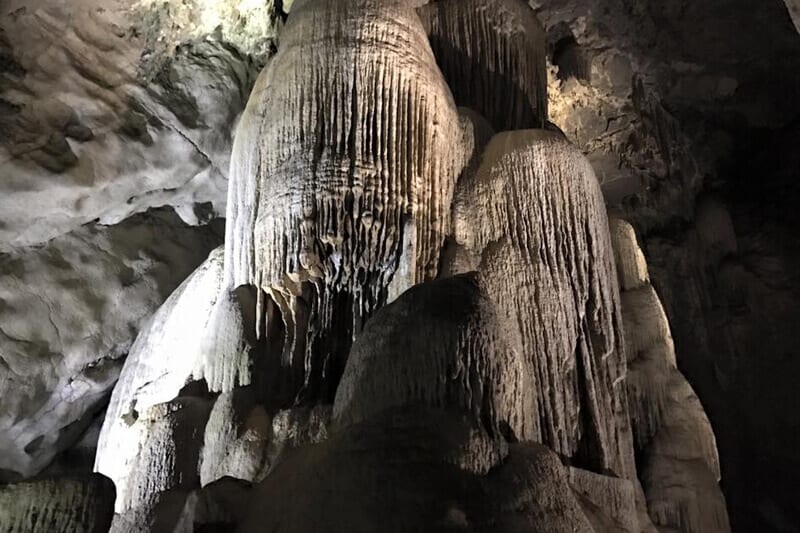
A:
69, 311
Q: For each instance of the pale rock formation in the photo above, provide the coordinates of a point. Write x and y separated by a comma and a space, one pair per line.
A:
532, 221
236, 438
164, 471
343, 190
243, 441
422, 455
341, 180
674, 439
159, 365
492, 54
68, 505
69, 311
112, 107
296, 427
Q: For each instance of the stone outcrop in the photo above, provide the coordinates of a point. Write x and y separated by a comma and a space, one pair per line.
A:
529, 217
111, 108
159, 365
491, 48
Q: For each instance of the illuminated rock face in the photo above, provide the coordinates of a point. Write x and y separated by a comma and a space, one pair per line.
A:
342, 176
417, 323
159, 365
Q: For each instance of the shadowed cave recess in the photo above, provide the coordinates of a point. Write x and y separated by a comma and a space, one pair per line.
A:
399, 265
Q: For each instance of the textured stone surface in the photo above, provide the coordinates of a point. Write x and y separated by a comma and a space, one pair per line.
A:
459, 357
490, 48
101, 116
794, 10
527, 219
388, 475
236, 438
675, 444
109, 108
733, 317
164, 470
159, 365
67, 505
69, 311
353, 178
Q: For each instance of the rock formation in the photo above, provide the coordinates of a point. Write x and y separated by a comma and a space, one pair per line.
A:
69, 312
422, 317
61, 506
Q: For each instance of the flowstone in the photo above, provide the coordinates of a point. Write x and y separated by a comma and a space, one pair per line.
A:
417, 324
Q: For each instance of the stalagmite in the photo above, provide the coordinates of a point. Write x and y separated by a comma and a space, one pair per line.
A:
236, 438
532, 221
165, 470
443, 346
341, 178
674, 439
492, 54
159, 365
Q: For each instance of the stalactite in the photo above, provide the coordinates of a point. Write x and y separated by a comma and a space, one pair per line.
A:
492, 54
342, 174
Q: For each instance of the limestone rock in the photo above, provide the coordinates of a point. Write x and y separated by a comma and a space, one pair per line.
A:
110, 109
236, 438
611, 503
532, 490
296, 427
387, 474
164, 471
674, 439
66, 505
456, 358
69, 311
794, 10
159, 365
491, 48
533, 221
341, 179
